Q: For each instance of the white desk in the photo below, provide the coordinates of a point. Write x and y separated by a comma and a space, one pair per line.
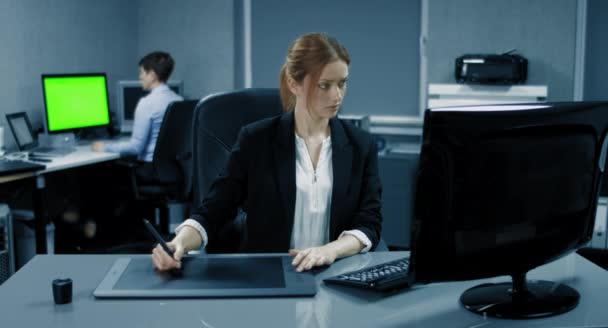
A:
81, 157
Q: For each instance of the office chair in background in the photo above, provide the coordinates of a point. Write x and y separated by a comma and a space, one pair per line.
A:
172, 163
218, 119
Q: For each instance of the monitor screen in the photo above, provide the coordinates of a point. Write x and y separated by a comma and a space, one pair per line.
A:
128, 95
75, 101
503, 189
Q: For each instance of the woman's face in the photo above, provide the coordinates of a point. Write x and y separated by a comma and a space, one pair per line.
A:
326, 98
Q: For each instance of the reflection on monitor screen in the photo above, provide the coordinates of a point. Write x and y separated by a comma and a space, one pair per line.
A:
502, 190
75, 101
128, 95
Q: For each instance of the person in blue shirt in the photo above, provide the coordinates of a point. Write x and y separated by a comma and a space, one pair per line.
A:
154, 71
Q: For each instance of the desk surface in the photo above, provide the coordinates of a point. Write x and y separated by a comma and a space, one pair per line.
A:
81, 157
26, 301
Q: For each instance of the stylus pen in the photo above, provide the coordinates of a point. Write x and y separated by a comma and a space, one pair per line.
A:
158, 237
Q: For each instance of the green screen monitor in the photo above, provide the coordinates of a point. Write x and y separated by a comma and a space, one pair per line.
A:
75, 101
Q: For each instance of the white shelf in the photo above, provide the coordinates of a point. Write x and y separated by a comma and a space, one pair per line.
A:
442, 95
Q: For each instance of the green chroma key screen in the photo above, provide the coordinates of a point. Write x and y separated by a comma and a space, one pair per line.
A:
75, 101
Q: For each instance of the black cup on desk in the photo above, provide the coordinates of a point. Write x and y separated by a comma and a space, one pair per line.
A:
62, 291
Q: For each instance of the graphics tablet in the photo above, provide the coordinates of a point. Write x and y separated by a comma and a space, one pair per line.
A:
258, 275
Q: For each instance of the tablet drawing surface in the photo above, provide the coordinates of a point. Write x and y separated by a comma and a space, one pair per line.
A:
207, 276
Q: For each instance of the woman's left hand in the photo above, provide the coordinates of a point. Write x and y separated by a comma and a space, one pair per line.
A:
308, 258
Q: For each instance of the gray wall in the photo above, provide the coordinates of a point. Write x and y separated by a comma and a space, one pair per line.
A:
596, 52
198, 34
543, 31
67, 36
381, 36
44, 36
72, 36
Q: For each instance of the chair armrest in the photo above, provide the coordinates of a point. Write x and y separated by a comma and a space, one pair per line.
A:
127, 161
131, 164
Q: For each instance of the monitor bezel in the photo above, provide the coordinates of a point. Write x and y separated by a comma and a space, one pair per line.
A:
62, 75
126, 126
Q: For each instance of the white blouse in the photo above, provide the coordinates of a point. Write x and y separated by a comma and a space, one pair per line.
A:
313, 201
313, 196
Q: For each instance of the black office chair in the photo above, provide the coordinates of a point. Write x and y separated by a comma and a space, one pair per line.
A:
171, 179
217, 121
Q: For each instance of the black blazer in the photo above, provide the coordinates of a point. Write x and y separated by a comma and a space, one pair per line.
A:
260, 178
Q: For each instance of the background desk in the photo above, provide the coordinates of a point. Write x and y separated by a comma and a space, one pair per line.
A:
26, 301
81, 157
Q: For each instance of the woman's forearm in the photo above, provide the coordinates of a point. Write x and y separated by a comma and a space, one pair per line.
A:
189, 238
346, 246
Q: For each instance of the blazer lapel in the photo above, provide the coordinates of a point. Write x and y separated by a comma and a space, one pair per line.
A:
285, 167
342, 156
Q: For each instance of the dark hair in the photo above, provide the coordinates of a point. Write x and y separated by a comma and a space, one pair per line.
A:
308, 55
160, 62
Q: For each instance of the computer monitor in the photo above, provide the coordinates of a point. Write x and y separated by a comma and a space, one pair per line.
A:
128, 95
75, 101
503, 189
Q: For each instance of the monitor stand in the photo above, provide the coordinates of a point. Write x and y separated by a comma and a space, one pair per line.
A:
520, 299
59, 140
87, 135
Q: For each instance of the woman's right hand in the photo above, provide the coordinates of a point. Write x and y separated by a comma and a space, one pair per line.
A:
163, 261
186, 240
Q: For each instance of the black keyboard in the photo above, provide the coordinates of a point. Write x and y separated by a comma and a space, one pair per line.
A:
384, 276
9, 167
